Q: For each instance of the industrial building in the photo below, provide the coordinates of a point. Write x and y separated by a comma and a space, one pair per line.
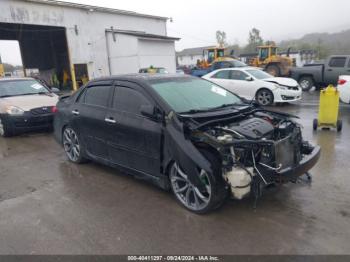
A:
70, 42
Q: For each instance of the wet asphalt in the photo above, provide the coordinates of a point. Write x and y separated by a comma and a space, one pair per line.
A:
51, 206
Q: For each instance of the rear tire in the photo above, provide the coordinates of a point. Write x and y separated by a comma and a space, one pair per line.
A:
264, 97
273, 70
339, 125
315, 124
306, 83
5, 129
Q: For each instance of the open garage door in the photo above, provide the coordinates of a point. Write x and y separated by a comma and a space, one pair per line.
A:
44, 52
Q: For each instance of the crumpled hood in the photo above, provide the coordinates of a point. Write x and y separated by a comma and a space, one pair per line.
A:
29, 102
284, 81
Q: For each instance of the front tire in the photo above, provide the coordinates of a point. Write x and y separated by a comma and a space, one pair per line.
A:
306, 83
190, 196
72, 146
264, 97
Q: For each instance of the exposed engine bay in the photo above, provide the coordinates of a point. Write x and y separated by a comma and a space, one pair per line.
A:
256, 149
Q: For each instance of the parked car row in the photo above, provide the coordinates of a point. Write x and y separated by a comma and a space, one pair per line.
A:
182, 133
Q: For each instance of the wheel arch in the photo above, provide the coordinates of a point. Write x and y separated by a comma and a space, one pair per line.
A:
306, 75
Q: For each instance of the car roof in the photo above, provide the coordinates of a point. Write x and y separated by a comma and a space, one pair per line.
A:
140, 78
15, 79
238, 68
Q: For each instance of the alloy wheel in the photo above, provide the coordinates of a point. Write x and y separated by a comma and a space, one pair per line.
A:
71, 144
264, 98
304, 84
188, 194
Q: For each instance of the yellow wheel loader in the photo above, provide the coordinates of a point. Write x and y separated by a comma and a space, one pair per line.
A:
271, 62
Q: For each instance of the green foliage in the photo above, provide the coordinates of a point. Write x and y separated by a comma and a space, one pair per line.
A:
323, 43
254, 40
8, 67
11, 68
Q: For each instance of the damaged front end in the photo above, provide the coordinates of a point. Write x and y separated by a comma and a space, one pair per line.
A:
257, 148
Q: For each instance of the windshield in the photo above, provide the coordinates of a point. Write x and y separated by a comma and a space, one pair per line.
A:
237, 63
259, 74
21, 87
190, 94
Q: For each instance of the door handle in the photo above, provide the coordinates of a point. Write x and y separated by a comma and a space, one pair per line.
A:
75, 112
110, 120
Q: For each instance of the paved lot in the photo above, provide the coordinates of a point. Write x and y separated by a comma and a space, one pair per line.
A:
50, 206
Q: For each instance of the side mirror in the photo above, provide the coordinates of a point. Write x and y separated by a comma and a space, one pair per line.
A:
55, 90
249, 78
147, 110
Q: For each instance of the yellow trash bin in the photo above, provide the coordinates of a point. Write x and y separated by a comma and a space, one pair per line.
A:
328, 109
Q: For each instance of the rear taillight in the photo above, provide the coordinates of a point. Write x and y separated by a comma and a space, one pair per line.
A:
54, 109
341, 81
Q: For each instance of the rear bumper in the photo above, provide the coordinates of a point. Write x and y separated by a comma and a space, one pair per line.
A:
308, 162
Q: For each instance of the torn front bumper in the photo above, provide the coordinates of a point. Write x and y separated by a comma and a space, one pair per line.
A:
292, 173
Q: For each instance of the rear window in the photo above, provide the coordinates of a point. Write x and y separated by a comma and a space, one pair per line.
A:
337, 62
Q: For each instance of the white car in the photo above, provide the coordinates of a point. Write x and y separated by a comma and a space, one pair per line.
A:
344, 88
250, 83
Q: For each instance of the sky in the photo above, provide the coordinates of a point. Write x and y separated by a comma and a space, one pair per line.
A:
196, 21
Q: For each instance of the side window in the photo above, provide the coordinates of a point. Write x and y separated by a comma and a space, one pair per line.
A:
97, 96
224, 74
337, 62
238, 75
129, 100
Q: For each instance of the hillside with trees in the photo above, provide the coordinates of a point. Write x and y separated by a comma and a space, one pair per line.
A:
324, 43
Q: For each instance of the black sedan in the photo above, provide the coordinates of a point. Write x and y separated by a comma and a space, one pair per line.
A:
185, 134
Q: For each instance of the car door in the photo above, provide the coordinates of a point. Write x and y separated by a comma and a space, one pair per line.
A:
222, 78
336, 67
241, 84
88, 117
134, 140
